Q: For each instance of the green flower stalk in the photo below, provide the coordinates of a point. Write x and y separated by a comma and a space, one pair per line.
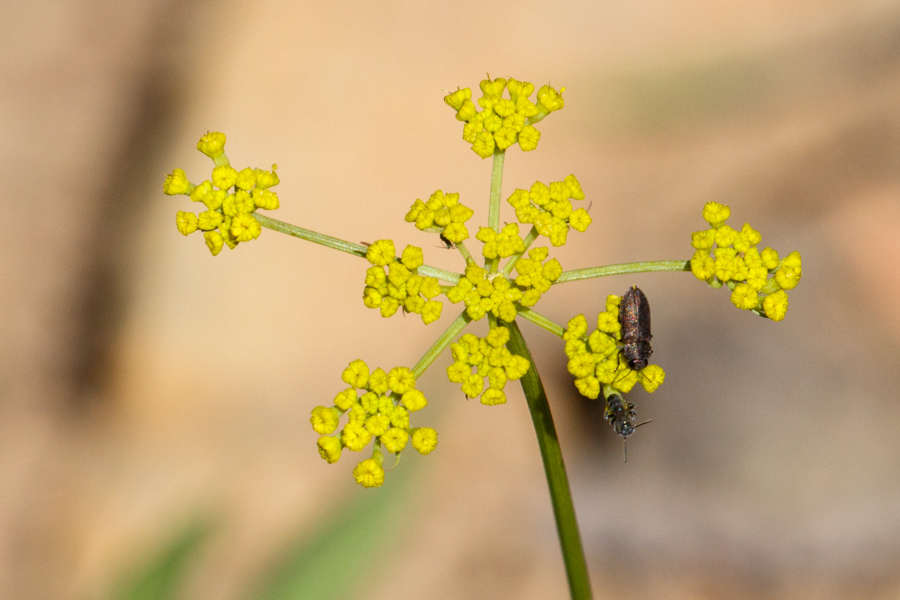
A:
373, 415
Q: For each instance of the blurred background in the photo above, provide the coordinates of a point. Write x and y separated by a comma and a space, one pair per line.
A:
154, 401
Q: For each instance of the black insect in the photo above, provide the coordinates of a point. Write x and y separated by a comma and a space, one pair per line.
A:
447, 243
620, 414
634, 317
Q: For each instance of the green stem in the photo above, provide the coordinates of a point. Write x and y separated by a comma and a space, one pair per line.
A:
624, 269
541, 321
494, 205
529, 239
496, 190
442, 342
343, 245
557, 480
311, 236
467, 256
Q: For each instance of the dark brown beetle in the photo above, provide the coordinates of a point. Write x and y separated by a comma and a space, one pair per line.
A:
634, 317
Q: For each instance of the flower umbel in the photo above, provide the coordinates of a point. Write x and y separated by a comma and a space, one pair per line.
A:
550, 210
373, 413
491, 359
228, 219
598, 359
503, 122
392, 283
377, 405
758, 280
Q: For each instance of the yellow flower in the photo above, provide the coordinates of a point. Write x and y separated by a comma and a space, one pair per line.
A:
725, 236
473, 385
223, 177
210, 220
775, 305
770, 259
608, 322
493, 397
456, 99
458, 371
517, 366
200, 192
377, 424
652, 376
414, 400
788, 275
186, 222
401, 380
529, 138
716, 214
588, 386
744, 297
245, 228
355, 436
703, 240
625, 378
483, 144
577, 328
431, 311
378, 381
580, 220
266, 179
265, 199
212, 145
246, 179
356, 374
176, 183
214, 241
550, 99
581, 365
424, 439
345, 399
329, 448
369, 473
324, 419
703, 265
395, 439
381, 253
412, 257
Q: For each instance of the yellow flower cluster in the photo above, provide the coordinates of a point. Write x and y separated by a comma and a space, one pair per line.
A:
443, 211
503, 121
228, 218
535, 275
758, 280
483, 293
598, 359
490, 358
550, 210
391, 284
380, 413
500, 245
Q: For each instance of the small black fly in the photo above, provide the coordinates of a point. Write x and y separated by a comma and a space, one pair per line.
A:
620, 414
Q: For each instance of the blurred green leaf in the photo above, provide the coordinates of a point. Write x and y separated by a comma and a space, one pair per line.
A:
159, 576
333, 562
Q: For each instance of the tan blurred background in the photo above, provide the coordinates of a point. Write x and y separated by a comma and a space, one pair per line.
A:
154, 401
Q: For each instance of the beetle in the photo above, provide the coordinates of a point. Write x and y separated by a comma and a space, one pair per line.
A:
634, 317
